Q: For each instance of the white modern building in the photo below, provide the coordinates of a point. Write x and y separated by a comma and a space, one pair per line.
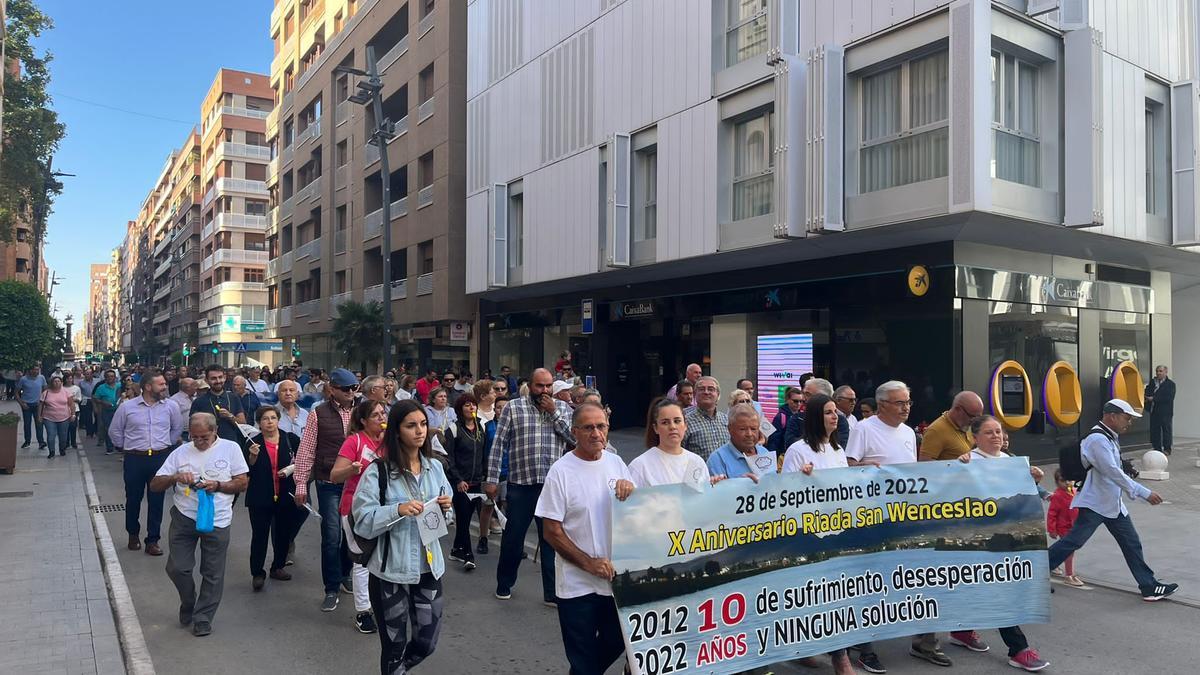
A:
926, 189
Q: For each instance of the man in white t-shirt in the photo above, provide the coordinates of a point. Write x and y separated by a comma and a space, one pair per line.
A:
576, 512
216, 466
881, 440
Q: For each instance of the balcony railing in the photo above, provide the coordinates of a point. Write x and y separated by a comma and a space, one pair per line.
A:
399, 289
424, 196
425, 25
308, 308
392, 54
273, 170
162, 245
257, 188
162, 292
341, 177
311, 131
285, 316
272, 318
288, 153
163, 267
257, 153
311, 249
373, 224
370, 154
286, 208
207, 231
339, 242
162, 316
226, 256
310, 191
426, 110
240, 221
245, 112
336, 301
373, 294
425, 284
209, 196
399, 208
272, 268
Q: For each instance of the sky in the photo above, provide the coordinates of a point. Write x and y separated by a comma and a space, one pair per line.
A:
127, 79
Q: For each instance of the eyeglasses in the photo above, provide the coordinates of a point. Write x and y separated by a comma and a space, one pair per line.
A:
847, 398
795, 400
347, 389
899, 404
592, 428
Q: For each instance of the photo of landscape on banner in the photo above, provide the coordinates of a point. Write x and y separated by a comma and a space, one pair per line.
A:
742, 575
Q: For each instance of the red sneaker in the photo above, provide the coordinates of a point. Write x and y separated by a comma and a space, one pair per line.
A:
1028, 659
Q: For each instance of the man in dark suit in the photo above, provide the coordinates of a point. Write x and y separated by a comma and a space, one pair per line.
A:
1160, 397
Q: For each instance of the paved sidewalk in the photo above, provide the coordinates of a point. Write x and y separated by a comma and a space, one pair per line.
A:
56, 616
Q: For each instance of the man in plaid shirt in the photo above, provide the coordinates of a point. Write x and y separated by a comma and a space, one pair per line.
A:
534, 432
707, 429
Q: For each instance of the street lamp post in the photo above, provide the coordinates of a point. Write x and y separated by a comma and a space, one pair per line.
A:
370, 92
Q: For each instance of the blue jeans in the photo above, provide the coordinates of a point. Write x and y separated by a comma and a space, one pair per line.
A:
28, 415
522, 501
1121, 528
138, 470
335, 557
57, 434
106, 419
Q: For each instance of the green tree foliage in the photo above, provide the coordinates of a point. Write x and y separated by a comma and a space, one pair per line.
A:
26, 324
31, 128
358, 332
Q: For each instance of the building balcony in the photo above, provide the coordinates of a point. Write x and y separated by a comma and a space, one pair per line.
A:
288, 153
373, 294
162, 245
273, 171
163, 267
338, 300
373, 223
308, 307
228, 293
341, 113
426, 109
163, 316
285, 316
310, 132
425, 284
400, 289
339, 242
370, 154
254, 153
310, 191
310, 249
286, 208
241, 186
424, 196
393, 54
272, 318
230, 256
280, 264
425, 25
235, 222
163, 291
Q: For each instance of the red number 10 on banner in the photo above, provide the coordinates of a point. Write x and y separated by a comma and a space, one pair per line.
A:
733, 610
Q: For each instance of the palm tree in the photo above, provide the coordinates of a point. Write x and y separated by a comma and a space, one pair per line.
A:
358, 332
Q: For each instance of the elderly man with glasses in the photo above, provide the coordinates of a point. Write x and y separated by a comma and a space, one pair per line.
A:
949, 436
324, 433
707, 428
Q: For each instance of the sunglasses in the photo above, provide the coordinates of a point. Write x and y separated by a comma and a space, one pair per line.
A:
347, 389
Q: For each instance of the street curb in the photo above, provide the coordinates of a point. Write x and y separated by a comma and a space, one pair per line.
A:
129, 630
1110, 586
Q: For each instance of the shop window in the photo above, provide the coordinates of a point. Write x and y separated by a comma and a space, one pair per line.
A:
753, 166
745, 30
905, 123
1015, 111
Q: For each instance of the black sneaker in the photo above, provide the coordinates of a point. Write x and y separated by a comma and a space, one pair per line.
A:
364, 622
468, 564
458, 556
482, 548
25, 445
201, 628
869, 662
347, 587
933, 655
185, 616
1159, 592
330, 602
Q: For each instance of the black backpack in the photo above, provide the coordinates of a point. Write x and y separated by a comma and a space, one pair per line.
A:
367, 546
1070, 459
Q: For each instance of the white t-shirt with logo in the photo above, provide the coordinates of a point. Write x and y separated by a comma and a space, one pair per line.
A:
655, 467
220, 462
579, 494
801, 453
873, 440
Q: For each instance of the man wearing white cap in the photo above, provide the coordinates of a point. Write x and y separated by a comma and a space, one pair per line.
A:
561, 390
1099, 500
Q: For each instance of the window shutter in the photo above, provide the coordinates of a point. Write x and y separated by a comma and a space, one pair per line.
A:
1183, 161
1040, 7
1083, 136
789, 120
824, 149
619, 234
1073, 14
498, 260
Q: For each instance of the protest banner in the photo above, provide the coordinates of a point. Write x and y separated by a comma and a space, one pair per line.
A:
742, 575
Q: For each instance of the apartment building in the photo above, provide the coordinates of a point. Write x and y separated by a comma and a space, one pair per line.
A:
233, 251
17, 256
326, 182
97, 322
181, 290
156, 221
990, 195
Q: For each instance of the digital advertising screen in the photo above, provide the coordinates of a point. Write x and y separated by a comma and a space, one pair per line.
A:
782, 359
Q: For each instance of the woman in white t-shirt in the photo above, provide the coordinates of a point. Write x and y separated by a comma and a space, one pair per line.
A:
989, 444
666, 461
818, 448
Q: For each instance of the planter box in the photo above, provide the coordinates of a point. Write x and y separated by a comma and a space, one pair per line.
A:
8, 448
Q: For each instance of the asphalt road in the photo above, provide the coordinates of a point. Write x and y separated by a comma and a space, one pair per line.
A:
282, 630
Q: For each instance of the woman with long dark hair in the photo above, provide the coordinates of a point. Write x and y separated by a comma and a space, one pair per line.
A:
361, 447
666, 461
273, 511
818, 449
405, 574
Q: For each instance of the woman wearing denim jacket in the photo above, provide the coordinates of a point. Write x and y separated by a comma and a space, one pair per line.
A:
405, 585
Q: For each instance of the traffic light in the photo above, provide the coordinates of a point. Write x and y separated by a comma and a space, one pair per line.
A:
186, 350
295, 350
216, 348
